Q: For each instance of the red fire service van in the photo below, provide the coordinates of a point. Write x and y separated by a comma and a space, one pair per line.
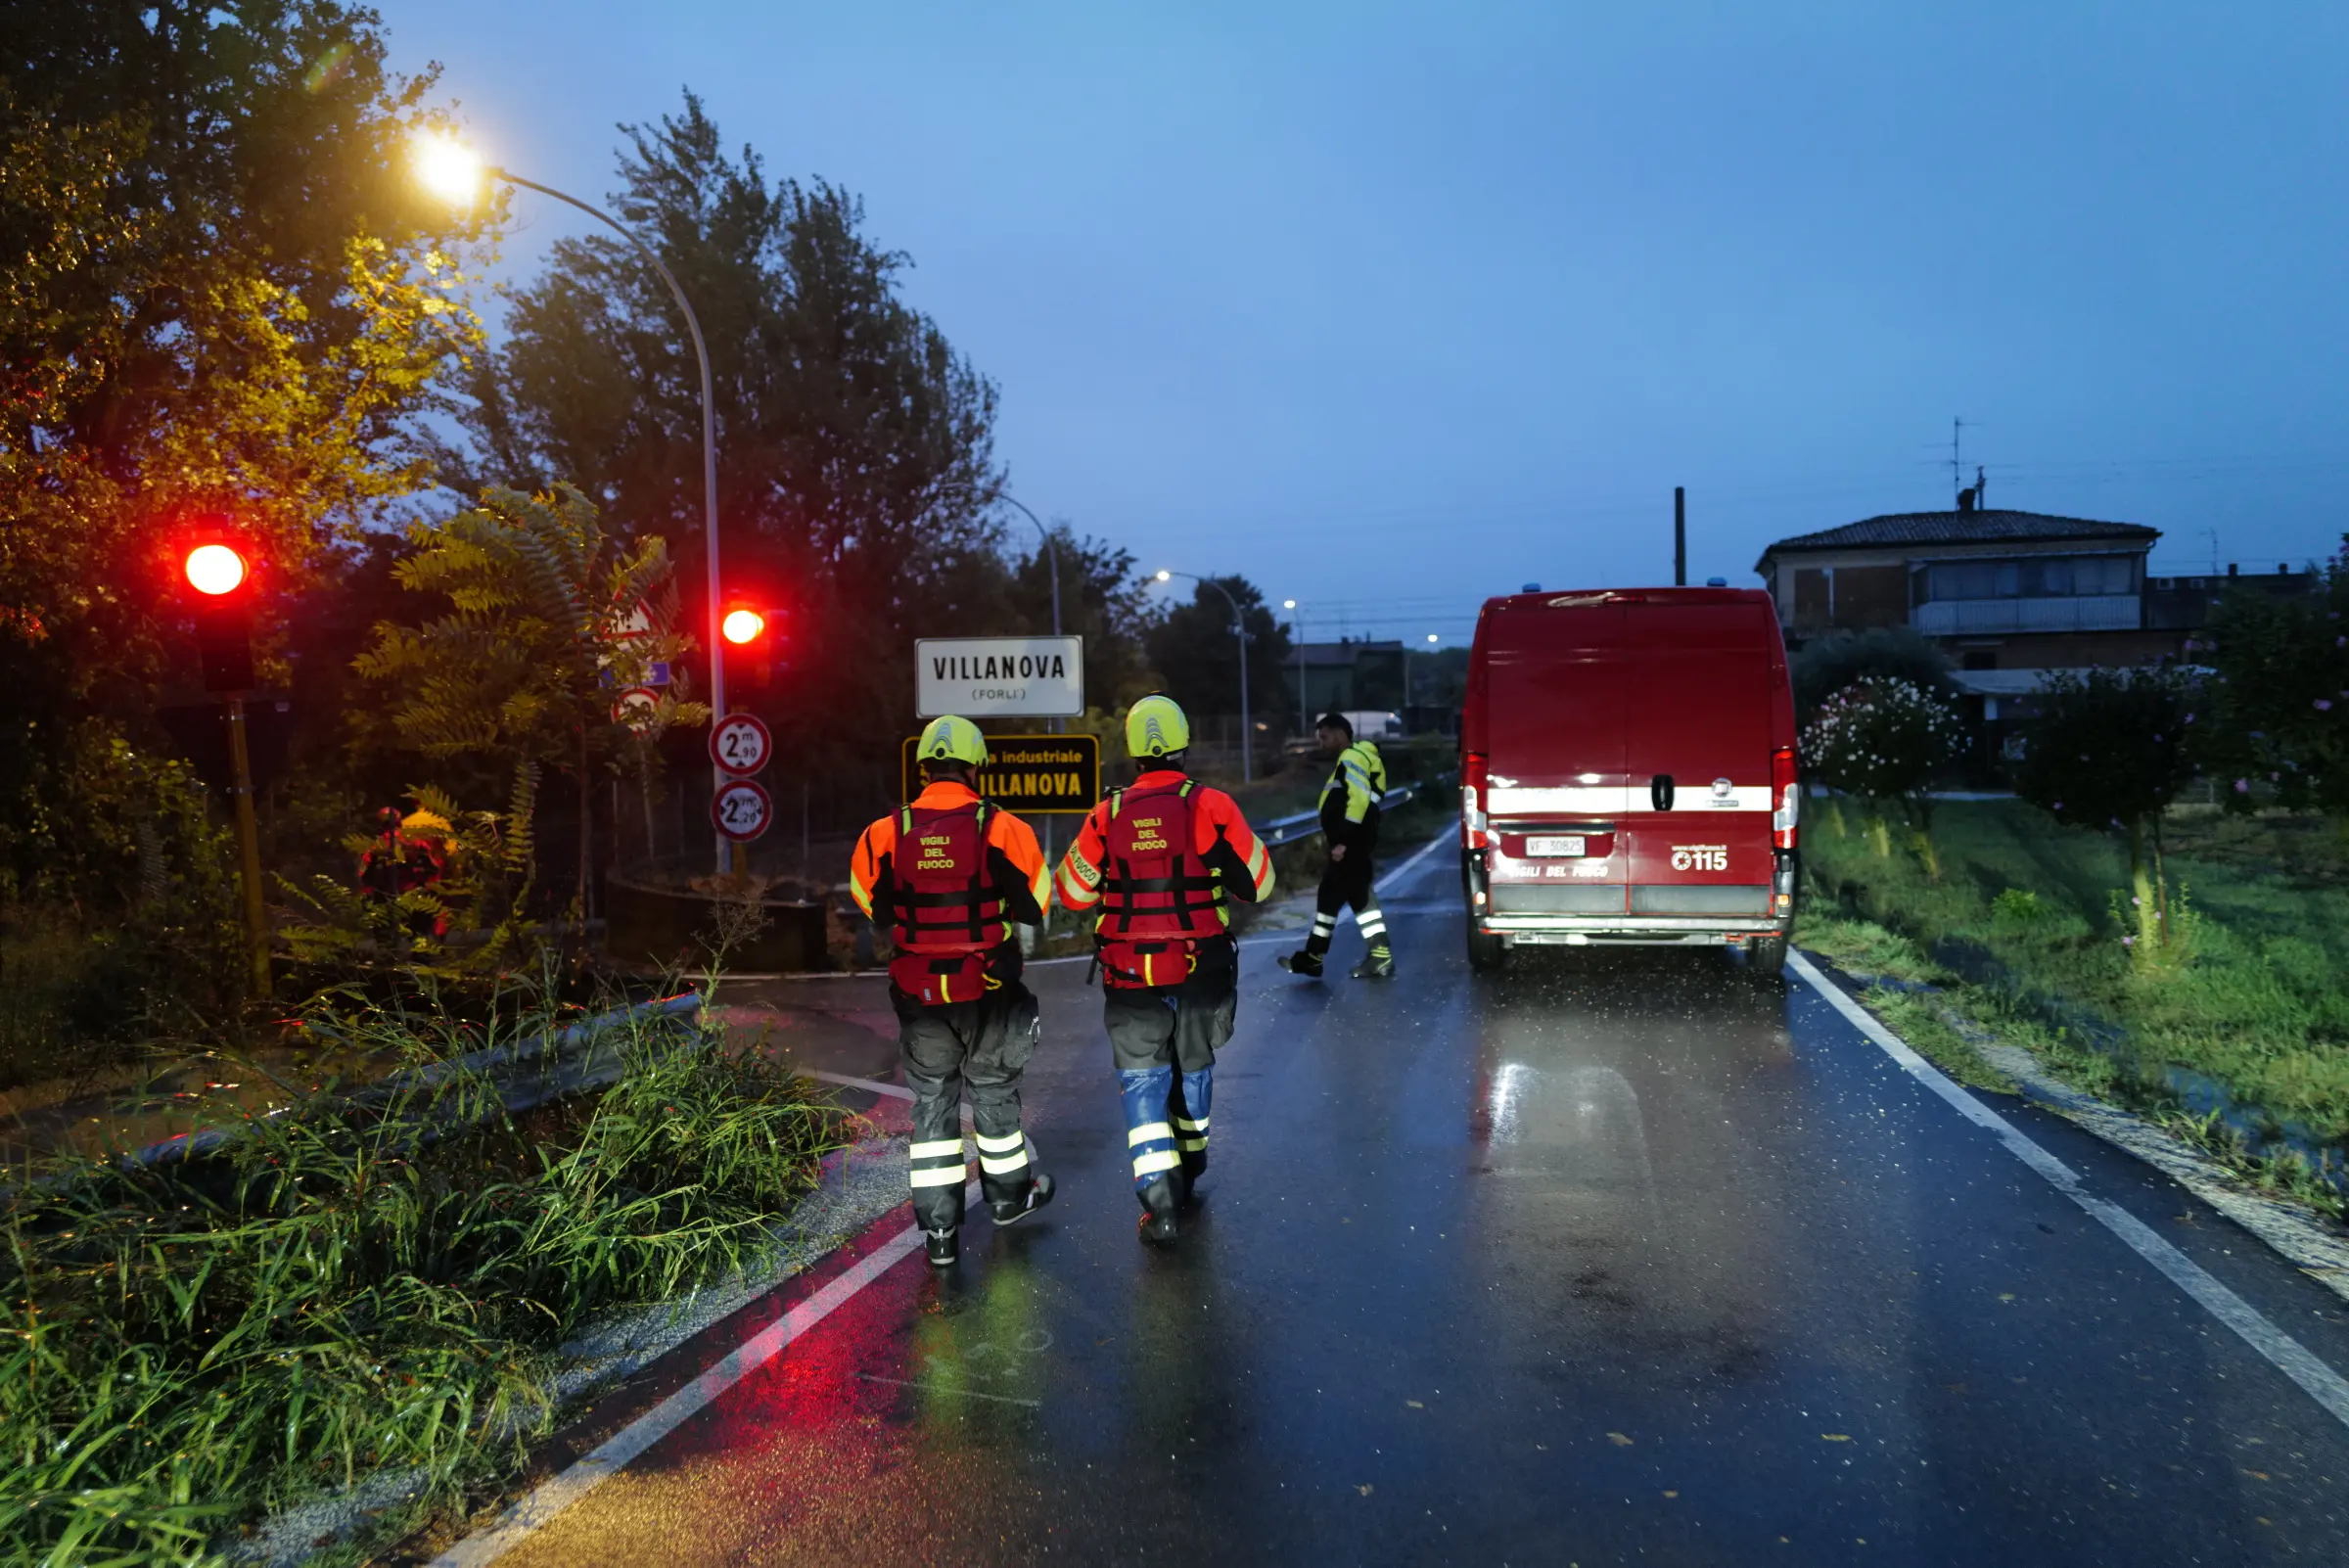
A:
1626, 773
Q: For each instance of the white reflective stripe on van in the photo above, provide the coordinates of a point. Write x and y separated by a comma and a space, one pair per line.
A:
1608, 800
1687, 797
1578, 800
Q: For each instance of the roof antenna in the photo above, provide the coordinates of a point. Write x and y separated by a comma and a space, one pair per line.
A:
1980, 484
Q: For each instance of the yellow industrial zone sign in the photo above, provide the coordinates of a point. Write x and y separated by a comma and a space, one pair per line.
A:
1029, 774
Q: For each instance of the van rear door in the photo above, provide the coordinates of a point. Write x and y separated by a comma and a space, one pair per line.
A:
1698, 757
1556, 707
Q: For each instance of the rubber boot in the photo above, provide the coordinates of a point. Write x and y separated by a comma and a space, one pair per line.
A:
1378, 965
942, 1248
1161, 1200
1304, 961
1011, 1211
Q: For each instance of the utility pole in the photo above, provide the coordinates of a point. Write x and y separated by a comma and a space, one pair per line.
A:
1680, 536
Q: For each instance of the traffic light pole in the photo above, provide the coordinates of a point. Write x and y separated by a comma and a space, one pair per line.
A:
248, 847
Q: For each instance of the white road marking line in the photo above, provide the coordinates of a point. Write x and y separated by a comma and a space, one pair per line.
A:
2279, 1348
553, 1496
958, 1393
869, 1086
1403, 870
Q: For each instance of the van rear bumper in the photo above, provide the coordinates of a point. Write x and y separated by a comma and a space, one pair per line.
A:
1773, 915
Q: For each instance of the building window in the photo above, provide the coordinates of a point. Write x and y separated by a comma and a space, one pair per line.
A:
2046, 577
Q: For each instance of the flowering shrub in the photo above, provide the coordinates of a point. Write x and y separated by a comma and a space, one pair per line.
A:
1887, 739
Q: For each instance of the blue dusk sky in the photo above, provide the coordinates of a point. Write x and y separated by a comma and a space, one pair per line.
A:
1393, 307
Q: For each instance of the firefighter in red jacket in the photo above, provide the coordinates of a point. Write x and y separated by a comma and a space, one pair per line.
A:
948, 875
1159, 859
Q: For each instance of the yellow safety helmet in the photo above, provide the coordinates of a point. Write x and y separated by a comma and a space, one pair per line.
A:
1156, 727
953, 739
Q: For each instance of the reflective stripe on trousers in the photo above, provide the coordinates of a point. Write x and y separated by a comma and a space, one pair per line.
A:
1166, 1119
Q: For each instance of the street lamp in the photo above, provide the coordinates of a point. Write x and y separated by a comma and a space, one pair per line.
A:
1239, 629
457, 173
1296, 631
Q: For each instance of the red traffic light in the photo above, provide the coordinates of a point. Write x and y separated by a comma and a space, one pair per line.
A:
214, 570
741, 627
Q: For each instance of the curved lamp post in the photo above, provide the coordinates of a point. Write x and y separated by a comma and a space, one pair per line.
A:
1239, 629
1297, 630
457, 173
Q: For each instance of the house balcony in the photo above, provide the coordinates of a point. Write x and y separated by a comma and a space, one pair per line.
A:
1961, 618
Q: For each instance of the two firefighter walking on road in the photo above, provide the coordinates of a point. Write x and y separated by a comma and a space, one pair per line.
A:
1349, 813
1158, 862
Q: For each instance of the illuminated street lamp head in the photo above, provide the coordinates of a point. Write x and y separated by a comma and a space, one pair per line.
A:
214, 570
742, 625
1431, 636
1288, 604
1166, 576
448, 168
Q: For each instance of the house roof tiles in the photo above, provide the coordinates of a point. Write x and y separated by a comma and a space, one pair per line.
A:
1961, 528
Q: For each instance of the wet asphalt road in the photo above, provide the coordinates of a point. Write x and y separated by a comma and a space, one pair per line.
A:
1615, 1258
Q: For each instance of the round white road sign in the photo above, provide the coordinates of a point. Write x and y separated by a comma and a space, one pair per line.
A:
742, 810
739, 744
638, 708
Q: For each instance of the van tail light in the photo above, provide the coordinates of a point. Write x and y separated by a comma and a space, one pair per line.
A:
1473, 797
1786, 797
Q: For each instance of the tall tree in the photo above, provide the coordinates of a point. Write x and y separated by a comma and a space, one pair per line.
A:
855, 446
218, 297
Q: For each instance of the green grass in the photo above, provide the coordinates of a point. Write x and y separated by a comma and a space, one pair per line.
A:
184, 1347
2252, 993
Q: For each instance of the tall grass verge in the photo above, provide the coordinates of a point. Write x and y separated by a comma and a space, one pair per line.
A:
2250, 997
349, 1284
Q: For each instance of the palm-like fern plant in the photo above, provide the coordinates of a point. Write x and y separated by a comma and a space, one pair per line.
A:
549, 618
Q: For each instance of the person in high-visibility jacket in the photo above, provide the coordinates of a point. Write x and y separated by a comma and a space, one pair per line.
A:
948, 875
1160, 860
1350, 815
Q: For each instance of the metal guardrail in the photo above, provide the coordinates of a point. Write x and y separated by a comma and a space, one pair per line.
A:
1305, 824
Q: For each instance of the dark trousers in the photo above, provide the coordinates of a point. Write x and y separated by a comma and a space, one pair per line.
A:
1347, 883
1156, 1029
980, 1047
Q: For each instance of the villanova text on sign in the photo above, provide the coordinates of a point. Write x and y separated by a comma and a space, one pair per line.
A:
998, 666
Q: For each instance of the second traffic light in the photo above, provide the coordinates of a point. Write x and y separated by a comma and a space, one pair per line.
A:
753, 644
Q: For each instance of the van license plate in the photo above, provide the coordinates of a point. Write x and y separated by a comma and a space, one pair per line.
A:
1566, 844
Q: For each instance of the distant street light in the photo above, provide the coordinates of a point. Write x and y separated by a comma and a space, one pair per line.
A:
457, 173
1239, 629
1296, 632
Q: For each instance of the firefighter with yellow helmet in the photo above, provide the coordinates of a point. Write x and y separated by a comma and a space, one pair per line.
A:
1159, 862
948, 875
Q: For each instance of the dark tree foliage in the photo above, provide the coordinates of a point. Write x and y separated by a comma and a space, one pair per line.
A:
2108, 750
220, 299
1191, 646
2274, 723
1827, 664
857, 464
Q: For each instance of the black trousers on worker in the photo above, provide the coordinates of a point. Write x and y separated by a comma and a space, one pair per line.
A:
1347, 883
979, 1047
1164, 1041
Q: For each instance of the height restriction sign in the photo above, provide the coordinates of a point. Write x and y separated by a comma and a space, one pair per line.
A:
742, 809
739, 744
